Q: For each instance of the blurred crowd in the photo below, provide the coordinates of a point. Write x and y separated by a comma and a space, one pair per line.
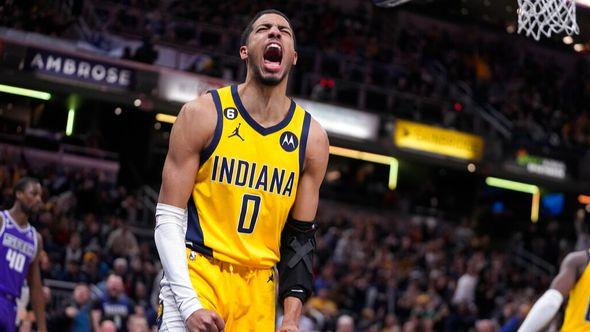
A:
389, 273
108, 275
47, 17
348, 47
356, 43
375, 270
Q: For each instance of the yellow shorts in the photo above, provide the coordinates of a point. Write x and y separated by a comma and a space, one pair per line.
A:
243, 297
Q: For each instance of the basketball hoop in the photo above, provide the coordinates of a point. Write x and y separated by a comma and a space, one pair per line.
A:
546, 17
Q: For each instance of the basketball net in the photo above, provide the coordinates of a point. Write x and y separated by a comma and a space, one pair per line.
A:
389, 3
546, 17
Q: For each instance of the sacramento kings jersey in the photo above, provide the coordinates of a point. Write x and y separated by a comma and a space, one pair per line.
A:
18, 247
246, 184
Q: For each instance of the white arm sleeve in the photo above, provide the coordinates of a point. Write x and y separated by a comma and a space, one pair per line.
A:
169, 235
542, 312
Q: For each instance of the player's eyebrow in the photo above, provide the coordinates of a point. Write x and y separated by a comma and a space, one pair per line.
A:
279, 26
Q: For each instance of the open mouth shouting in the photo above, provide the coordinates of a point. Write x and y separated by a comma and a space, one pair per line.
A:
272, 57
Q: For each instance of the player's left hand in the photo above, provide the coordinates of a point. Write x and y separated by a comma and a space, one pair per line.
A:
288, 327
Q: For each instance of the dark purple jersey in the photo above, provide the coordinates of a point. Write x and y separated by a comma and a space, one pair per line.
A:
18, 247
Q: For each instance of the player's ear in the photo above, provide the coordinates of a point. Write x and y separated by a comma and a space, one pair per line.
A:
294, 58
243, 52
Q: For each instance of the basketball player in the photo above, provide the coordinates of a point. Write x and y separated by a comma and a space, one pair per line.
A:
20, 245
250, 163
573, 280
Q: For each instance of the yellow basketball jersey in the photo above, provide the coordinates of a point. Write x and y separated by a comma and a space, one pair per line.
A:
577, 314
246, 184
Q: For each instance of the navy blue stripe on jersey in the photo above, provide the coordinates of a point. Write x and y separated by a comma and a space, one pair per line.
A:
208, 150
303, 145
194, 232
255, 125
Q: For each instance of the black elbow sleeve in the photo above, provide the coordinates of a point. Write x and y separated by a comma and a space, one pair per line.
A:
296, 264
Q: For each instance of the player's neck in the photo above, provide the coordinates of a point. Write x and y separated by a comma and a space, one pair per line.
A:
268, 105
19, 216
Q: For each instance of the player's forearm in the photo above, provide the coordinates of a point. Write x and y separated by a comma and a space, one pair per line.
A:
38, 305
542, 312
292, 308
169, 237
37, 299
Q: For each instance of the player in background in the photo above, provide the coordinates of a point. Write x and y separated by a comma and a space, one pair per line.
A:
573, 281
20, 245
249, 161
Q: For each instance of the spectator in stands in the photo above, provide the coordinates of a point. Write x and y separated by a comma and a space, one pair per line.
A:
345, 323
466, 284
137, 323
391, 324
514, 322
127, 53
79, 309
146, 53
114, 305
323, 304
107, 326
90, 270
72, 271
73, 250
120, 267
461, 318
72, 316
121, 242
485, 325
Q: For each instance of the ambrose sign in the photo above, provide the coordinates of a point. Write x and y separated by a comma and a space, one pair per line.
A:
72, 67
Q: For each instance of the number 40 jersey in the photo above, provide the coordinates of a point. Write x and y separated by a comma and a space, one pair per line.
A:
246, 184
18, 248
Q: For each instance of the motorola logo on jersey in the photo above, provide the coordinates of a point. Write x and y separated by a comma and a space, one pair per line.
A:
288, 141
230, 113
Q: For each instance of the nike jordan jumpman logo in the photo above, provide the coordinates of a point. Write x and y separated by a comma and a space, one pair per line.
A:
236, 132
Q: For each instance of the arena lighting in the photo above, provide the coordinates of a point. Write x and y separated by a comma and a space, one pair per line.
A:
583, 3
165, 118
70, 123
584, 199
25, 92
367, 156
521, 187
512, 185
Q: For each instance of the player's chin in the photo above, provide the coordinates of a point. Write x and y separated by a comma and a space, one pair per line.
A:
271, 79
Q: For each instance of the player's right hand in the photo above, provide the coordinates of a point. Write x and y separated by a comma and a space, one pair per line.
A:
204, 320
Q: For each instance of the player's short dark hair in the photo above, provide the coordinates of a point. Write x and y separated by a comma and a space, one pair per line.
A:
22, 184
248, 28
